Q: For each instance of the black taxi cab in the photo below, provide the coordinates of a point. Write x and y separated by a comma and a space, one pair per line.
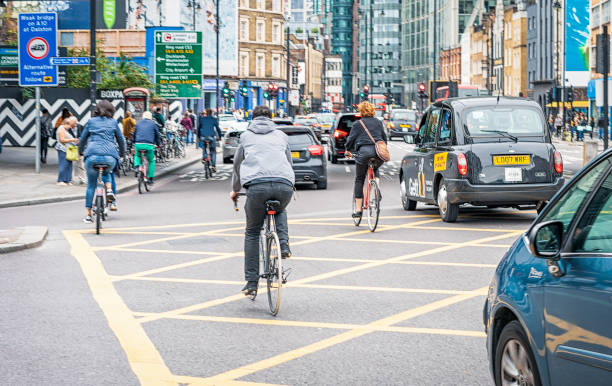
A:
484, 151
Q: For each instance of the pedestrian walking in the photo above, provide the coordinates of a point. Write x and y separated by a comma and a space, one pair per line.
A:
102, 135
60, 120
45, 132
128, 126
208, 129
188, 126
558, 125
65, 139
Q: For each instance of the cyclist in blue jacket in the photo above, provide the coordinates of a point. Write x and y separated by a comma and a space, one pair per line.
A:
208, 129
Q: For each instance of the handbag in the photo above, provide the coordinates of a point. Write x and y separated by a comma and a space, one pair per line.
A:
72, 153
382, 151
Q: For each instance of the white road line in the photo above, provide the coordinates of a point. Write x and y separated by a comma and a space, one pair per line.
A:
347, 169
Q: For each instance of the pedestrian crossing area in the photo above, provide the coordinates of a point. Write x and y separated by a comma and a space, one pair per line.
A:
224, 172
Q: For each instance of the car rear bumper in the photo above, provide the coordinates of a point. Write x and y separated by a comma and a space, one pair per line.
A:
401, 133
462, 191
309, 173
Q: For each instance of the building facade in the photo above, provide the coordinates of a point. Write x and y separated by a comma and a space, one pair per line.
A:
342, 42
333, 82
261, 50
450, 64
380, 47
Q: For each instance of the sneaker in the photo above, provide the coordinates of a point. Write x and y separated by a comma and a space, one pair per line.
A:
113, 206
61, 184
151, 182
285, 251
110, 196
88, 220
250, 289
357, 214
214, 169
203, 160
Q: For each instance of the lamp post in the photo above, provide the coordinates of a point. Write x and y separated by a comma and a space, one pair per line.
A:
557, 6
217, 28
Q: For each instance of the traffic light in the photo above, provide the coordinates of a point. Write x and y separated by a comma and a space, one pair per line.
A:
266, 95
366, 92
549, 96
272, 91
244, 91
226, 90
570, 94
421, 93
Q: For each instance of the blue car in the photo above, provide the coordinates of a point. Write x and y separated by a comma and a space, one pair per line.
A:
548, 314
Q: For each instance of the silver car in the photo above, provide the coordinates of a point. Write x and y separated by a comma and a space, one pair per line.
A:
231, 140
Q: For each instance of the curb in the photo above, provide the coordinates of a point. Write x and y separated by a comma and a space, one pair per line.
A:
31, 237
128, 186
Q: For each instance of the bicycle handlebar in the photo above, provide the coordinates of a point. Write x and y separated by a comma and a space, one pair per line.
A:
236, 200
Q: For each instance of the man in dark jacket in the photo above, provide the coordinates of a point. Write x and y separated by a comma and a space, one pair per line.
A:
263, 166
146, 138
159, 117
208, 129
45, 132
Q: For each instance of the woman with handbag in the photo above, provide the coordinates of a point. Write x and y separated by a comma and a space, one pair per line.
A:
366, 141
67, 152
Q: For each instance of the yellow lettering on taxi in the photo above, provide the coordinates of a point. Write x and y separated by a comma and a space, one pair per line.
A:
440, 161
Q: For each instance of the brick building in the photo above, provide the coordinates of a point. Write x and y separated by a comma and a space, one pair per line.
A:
450, 64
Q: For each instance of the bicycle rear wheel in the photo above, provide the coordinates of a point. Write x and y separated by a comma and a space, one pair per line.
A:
274, 273
207, 171
98, 212
373, 205
356, 220
140, 182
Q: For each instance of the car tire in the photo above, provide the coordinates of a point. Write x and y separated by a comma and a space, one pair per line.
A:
448, 211
407, 203
322, 184
227, 160
513, 339
333, 159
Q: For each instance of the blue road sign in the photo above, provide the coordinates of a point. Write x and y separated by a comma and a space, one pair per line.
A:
70, 61
37, 35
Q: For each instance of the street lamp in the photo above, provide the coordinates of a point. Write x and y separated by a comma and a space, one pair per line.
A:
195, 7
557, 6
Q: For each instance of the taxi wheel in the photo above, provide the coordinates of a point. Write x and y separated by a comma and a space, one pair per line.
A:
448, 211
514, 360
407, 203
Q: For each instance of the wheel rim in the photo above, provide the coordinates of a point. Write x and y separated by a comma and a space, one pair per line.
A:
373, 207
516, 368
275, 275
442, 199
403, 192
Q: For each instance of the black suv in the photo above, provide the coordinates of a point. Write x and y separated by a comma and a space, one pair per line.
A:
338, 137
309, 163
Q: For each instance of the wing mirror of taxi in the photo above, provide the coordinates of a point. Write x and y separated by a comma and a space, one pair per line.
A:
411, 139
545, 239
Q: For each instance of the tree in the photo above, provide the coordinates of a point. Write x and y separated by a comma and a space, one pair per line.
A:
315, 30
299, 30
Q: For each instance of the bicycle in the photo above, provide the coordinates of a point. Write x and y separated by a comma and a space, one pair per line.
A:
99, 204
270, 256
207, 169
371, 199
143, 181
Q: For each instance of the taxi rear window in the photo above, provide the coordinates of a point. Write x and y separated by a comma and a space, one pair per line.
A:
495, 121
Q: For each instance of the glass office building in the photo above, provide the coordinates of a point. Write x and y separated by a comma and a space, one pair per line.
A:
342, 42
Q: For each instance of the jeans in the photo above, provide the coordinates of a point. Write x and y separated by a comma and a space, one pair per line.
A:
361, 168
65, 168
255, 208
92, 174
212, 144
189, 137
149, 153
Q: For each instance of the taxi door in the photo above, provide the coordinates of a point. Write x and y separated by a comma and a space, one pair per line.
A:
444, 141
425, 155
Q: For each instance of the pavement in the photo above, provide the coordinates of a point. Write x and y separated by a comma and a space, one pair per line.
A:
16, 239
22, 186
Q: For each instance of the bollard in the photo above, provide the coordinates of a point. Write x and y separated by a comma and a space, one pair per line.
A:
589, 150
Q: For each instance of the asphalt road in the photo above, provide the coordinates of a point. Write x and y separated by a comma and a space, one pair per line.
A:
156, 298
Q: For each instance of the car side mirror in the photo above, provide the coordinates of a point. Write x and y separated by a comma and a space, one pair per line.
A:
409, 139
545, 239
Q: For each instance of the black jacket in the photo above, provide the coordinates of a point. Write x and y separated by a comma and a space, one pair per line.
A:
358, 137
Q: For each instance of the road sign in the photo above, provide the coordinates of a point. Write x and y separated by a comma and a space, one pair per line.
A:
178, 64
37, 35
9, 56
70, 61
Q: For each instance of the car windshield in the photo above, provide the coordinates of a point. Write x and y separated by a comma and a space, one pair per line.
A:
305, 121
301, 138
226, 118
500, 121
327, 119
405, 115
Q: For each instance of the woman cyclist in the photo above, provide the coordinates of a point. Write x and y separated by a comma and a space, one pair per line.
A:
99, 137
359, 145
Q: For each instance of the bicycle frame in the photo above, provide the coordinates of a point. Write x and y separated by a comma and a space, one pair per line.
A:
366, 186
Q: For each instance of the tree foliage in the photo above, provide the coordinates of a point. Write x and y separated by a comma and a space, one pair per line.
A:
117, 73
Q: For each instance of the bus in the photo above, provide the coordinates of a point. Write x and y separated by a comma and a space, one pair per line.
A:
464, 90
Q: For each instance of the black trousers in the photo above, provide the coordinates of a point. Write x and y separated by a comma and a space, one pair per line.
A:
255, 208
363, 156
44, 146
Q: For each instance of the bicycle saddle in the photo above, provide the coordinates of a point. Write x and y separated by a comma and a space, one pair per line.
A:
103, 166
272, 205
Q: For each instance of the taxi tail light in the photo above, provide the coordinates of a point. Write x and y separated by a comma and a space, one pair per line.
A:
315, 149
462, 165
558, 162
340, 134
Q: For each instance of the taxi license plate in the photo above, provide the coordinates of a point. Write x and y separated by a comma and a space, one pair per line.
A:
502, 160
513, 175
404, 125
295, 154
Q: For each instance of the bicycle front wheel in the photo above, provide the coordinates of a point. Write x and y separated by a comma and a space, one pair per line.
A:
373, 205
98, 212
274, 273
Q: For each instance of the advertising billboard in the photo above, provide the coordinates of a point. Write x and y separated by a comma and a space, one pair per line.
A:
74, 14
577, 42
228, 38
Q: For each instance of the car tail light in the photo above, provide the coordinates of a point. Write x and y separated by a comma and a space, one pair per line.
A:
558, 162
227, 141
315, 149
316, 125
340, 134
462, 165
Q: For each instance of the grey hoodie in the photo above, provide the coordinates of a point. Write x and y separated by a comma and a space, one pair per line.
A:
263, 153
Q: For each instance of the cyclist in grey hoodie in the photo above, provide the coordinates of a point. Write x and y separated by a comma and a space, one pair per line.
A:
263, 166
